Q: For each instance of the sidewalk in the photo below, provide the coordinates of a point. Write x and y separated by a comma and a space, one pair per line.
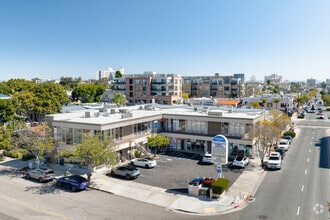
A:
235, 198
241, 192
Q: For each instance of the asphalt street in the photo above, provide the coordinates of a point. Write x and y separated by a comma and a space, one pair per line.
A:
300, 190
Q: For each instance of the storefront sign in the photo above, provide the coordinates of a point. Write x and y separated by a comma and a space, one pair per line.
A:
220, 149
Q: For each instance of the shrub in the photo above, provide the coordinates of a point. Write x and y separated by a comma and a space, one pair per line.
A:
137, 154
290, 133
27, 156
18, 153
13, 154
220, 185
2, 157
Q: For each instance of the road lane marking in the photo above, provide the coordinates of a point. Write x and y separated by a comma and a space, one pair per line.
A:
302, 188
307, 159
310, 150
298, 210
305, 172
35, 208
318, 208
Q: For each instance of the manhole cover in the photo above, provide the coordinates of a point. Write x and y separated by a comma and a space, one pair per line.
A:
262, 217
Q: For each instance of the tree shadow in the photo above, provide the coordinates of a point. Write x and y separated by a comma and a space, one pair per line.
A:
44, 188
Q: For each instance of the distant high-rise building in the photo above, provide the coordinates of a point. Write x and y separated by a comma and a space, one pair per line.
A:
105, 73
311, 83
109, 73
240, 76
274, 78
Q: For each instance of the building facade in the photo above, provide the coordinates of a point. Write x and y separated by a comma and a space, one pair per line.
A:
150, 87
190, 129
213, 86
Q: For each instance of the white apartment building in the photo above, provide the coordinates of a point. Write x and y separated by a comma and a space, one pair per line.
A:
274, 78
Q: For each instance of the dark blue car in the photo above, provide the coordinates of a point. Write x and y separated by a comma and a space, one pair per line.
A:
73, 182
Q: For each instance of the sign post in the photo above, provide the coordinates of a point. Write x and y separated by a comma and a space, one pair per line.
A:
219, 152
219, 170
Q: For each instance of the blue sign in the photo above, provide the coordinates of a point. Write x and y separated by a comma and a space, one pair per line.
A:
220, 149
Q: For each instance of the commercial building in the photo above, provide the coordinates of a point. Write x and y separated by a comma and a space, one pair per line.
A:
190, 129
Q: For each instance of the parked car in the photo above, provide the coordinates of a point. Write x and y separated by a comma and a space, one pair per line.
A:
281, 151
289, 138
241, 161
73, 182
128, 171
274, 161
207, 158
42, 174
284, 144
320, 116
144, 162
301, 116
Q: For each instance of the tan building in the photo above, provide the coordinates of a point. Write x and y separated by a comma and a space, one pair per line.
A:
213, 86
149, 86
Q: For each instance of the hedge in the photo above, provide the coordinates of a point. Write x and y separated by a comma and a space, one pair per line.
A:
220, 185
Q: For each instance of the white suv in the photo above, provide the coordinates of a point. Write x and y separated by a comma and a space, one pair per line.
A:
284, 144
274, 161
207, 158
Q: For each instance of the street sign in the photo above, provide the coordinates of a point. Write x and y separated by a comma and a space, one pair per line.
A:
220, 149
219, 170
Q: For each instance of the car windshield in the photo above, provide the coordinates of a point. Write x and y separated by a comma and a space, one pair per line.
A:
273, 158
239, 158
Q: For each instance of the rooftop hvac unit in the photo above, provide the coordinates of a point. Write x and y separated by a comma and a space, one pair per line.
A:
87, 114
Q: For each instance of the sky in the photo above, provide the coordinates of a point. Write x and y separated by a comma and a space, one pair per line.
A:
49, 39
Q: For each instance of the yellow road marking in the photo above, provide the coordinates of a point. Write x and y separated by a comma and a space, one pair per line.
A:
34, 207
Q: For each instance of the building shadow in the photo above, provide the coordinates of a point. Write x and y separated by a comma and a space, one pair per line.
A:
325, 153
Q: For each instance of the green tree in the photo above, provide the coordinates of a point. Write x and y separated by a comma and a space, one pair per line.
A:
37, 140
87, 93
69, 83
326, 99
255, 105
266, 134
119, 99
94, 151
158, 141
118, 74
5, 138
7, 110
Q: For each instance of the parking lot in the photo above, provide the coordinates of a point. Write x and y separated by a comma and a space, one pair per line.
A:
175, 170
